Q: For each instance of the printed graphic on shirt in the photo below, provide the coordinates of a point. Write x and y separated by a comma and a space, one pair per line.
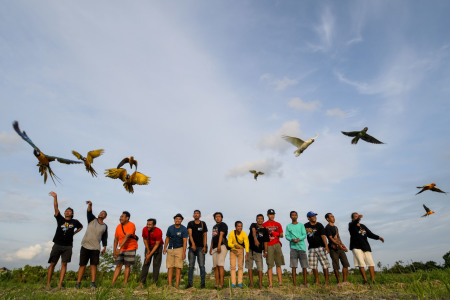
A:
215, 231
66, 226
362, 231
271, 229
310, 231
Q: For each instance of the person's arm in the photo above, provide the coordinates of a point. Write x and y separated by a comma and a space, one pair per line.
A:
147, 246
191, 239
231, 240
79, 228
219, 245
55, 202
302, 236
125, 239
246, 242
255, 238
155, 248
211, 248
373, 236
116, 251
184, 248
205, 239
90, 215
280, 228
324, 239
289, 236
166, 242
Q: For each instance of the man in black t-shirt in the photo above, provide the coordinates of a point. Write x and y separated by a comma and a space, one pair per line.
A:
197, 248
63, 240
317, 246
337, 248
219, 249
258, 238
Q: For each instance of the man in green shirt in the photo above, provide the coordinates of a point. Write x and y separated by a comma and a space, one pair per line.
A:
296, 235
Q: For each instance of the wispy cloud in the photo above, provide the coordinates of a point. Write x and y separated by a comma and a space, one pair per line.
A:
299, 104
340, 113
324, 30
267, 165
275, 142
279, 83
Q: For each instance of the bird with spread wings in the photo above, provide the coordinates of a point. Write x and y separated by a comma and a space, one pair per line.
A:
44, 160
300, 144
256, 174
428, 211
128, 180
431, 187
362, 135
89, 159
128, 160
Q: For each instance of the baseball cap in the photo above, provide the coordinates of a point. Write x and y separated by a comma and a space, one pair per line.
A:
311, 214
270, 212
179, 215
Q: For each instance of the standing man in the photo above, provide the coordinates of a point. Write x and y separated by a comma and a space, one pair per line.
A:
274, 254
317, 246
125, 246
337, 248
176, 241
238, 243
197, 248
258, 239
96, 231
362, 253
152, 237
63, 240
296, 235
218, 249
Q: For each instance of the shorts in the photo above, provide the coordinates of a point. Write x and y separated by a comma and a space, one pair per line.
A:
174, 258
362, 259
64, 251
274, 256
219, 258
318, 254
337, 255
254, 257
126, 258
297, 255
89, 255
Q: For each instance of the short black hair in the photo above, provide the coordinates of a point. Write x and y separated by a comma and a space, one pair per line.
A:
126, 214
259, 215
198, 211
218, 213
106, 214
152, 220
327, 215
71, 209
351, 217
236, 223
292, 211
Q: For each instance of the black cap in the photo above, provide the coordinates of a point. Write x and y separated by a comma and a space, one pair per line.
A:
179, 215
270, 212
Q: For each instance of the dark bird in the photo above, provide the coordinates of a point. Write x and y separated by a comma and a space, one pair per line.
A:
428, 211
89, 160
128, 160
256, 174
431, 187
362, 135
44, 160
129, 180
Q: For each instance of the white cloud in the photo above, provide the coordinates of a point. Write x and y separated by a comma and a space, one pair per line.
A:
324, 32
267, 165
9, 142
299, 104
280, 83
26, 253
340, 113
274, 141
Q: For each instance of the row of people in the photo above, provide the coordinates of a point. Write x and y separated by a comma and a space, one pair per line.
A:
262, 241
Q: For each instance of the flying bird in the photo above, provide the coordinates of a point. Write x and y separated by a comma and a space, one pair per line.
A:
89, 159
362, 135
44, 160
128, 160
300, 144
431, 187
428, 211
256, 174
129, 180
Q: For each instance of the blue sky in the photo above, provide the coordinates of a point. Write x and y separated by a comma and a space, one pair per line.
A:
201, 91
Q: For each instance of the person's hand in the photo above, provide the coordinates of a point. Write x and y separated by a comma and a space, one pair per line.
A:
297, 240
103, 251
53, 194
147, 257
256, 243
219, 248
246, 256
116, 253
204, 250
193, 247
264, 254
327, 249
165, 251
237, 247
210, 251
381, 239
360, 216
88, 202
184, 255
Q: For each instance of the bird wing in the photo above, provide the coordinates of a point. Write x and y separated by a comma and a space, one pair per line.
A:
117, 173
426, 208
122, 162
317, 135
260, 173
77, 155
139, 178
252, 171
435, 189
350, 133
24, 136
93, 154
294, 140
63, 160
368, 138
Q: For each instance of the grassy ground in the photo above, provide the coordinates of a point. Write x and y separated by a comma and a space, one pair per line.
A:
420, 285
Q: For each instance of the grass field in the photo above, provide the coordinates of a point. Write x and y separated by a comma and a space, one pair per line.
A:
418, 285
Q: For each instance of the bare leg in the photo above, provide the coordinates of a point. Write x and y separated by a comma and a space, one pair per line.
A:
372, 273
222, 276
250, 276
305, 274
217, 275
116, 273
316, 275
280, 279
81, 273
260, 275
345, 272
126, 273
51, 268
294, 274
93, 273
338, 276
177, 277
327, 276
269, 272
63, 273
363, 273
169, 275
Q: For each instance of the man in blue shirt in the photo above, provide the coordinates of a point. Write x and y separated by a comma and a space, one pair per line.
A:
296, 235
175, 248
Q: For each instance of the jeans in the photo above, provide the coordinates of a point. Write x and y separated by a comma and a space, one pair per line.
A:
201, 263
157, 258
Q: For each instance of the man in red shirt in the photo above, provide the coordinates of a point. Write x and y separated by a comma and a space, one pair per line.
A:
152, 237
274, 254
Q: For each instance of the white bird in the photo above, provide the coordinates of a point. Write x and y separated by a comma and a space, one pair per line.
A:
300, 144
256, 173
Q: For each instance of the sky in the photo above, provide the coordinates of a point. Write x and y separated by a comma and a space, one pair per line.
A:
200, 92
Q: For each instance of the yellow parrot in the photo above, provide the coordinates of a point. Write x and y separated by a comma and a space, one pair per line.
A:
129, 180
89, 159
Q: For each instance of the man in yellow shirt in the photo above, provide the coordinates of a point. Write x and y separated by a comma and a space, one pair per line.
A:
237, 241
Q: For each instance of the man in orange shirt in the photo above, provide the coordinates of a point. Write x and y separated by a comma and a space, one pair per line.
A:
125, 246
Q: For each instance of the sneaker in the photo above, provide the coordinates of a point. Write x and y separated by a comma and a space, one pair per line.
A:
233, 285
188, 286
240, 285
202, 286
78, 285
93, 286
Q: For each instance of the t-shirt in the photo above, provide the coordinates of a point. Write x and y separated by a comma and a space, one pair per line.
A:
314, 235
217, 229
176, 236
152, 237
330, 230
64, 230
296, 231
131, 243
197, 233
235, 239
359, 235
272, 227
262, 235
95, 233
